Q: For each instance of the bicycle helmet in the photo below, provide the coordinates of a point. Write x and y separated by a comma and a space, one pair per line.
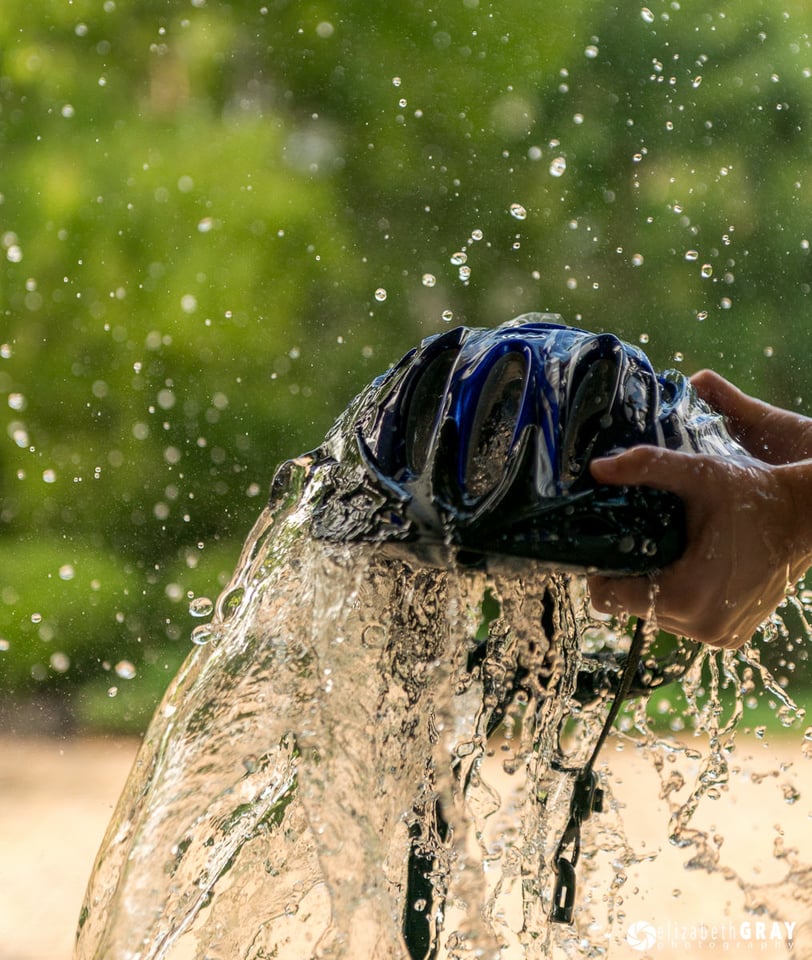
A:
480, 439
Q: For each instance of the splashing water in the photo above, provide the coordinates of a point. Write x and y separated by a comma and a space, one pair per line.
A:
339, 731
336, 721
370, 754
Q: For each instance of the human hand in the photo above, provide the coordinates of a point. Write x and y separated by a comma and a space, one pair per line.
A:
748, 536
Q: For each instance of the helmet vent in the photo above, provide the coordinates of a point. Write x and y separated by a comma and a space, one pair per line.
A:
494, 424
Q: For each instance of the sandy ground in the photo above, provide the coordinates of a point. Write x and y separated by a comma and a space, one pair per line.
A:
56, 797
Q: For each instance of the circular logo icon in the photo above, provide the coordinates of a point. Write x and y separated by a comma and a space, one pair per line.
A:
641, 935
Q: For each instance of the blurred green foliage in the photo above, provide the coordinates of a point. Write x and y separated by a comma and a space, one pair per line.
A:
199, 201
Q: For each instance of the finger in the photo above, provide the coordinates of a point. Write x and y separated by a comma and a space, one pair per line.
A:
635, 596
647, 466
746, 416
620, 595
718, 392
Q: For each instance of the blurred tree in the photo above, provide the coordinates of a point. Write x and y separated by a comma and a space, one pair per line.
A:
199, 201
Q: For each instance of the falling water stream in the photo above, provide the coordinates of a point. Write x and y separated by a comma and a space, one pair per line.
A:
340, 693
341, 697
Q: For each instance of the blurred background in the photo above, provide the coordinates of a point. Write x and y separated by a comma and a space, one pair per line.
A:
220, 220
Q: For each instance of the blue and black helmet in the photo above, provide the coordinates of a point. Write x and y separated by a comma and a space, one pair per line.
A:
481, 439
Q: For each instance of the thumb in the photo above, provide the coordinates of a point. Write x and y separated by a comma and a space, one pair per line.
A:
766, 432
742, 411
718, 392
647, 466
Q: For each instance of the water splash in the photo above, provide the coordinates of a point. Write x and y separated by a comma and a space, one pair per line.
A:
357, 722
313, 779
370, 753
709, 759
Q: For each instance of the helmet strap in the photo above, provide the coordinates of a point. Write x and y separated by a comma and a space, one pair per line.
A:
587, 796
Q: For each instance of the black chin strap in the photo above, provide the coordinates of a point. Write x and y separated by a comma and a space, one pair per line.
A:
587, 796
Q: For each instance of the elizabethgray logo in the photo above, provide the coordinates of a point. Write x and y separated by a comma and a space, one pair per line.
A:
641, 935
729, 936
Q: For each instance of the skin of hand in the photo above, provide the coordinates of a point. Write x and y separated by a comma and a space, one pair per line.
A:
749, 523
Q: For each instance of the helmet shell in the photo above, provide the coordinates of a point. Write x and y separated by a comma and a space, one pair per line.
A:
482, 438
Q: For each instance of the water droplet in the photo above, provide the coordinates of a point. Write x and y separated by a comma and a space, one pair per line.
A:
759, 732
696, 82
202, 634
637, 260
396, 81
691, 255
230, 602
791, 793
725, 303
125, 670
112, 691
373, 636
60, 662
591, 51
448, 316
465, 274
429, 280
643, 338
702, 315
558, 167
647, 15
476, 234
380, 294
459, 258
188, 303
769, 352
4, 645
66, 572
706, 270
18, 434
517, 211
201, 607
